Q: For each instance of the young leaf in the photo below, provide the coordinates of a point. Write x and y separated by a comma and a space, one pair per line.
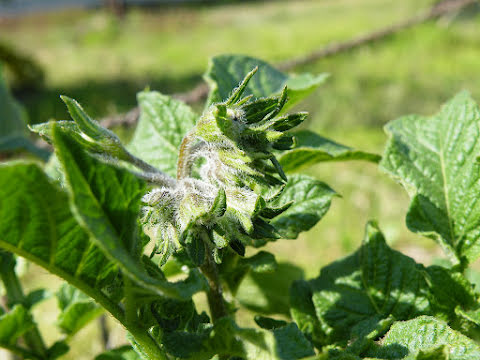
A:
77, 309
435, 160
311, 200
372, 285
106, 202
163, 124
225, 72
312, 149
414, 339
14, 324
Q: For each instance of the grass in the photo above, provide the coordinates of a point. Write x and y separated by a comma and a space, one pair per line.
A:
103, 62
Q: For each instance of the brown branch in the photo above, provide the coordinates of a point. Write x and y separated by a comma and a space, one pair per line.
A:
441, 9
200, 92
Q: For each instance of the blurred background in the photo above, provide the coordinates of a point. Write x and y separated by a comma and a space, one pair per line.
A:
386, 58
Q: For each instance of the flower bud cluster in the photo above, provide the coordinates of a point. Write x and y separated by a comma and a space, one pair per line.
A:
231, 148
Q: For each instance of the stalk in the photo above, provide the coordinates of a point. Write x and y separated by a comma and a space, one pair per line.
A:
15, 295
184, 165
216, 302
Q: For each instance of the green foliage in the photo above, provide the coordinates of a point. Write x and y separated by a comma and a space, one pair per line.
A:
371, 288
435, 160
14, 324
225, 72
163, 123
414, 339
77, 309
310, 201
312, 148
214, 190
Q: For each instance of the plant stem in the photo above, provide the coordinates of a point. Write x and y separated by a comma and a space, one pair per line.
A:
147, 344
141, 336
102, 323
157, 178
216, 302
184, 159
15, 295
152, 174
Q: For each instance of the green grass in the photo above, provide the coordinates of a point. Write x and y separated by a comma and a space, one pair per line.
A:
102, 62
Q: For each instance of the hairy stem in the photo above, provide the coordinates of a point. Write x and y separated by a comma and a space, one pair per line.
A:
15, 295
184, 164
157, 178
216, 302
151, 173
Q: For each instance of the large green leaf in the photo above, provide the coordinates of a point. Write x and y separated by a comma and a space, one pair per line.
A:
312, 149
225, 72
414, 339
106, 202
226, 338
311, 200
435, 160
77, 309
14, 324
36, 223
362, 293
163, 124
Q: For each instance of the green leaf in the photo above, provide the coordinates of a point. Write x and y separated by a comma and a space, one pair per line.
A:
312, 149
234, 268
226, 338
269, 323
303, 312
122, 353
163, 124
58, 349
267, 293
470, 315
106, 202
354, 296
435, 160
438, 353
311, 200
414, 339
225, 72
14, 324
77, 309
13, 123
36, 296
36, 223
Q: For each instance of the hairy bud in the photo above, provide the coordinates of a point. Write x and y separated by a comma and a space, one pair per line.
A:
233, 142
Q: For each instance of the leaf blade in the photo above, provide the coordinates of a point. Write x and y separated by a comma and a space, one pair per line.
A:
311, 201
225, 72
163, 123
312, 149
435, 160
